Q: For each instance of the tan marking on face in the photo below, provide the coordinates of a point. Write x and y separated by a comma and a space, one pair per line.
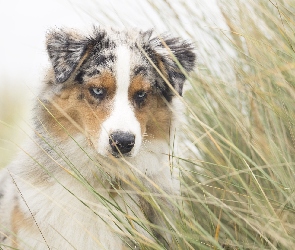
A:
75, 110
162, 67
138, 84
159, 120
154, 116
19, 221
105, 80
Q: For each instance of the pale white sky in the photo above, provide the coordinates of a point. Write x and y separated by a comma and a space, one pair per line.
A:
23, 25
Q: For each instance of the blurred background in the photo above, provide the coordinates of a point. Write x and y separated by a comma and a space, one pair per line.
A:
238, 159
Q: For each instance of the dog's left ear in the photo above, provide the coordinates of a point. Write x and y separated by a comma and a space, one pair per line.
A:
167, 53
65, 50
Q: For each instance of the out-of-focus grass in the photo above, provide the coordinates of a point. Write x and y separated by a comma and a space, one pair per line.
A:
241, 182
14, 107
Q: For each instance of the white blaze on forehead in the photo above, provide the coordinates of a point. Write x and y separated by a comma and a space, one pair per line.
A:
122, 117
123, 69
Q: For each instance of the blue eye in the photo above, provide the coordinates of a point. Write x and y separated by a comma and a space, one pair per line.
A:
140, 97
141, 94
98, 93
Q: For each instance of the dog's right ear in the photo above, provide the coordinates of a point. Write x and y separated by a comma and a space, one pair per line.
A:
65, 50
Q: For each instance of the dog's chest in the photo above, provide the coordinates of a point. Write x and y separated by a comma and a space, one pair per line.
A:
75, 219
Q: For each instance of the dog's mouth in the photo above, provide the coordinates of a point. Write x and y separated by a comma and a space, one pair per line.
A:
120, 155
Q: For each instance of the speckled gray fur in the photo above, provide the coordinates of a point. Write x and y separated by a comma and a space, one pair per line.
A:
67, 48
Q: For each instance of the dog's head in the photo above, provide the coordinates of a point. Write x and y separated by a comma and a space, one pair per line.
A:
116, 85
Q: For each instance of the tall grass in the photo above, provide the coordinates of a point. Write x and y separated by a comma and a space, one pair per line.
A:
238, 154
241, 181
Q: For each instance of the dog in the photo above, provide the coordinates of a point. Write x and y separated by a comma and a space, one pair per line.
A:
97, 172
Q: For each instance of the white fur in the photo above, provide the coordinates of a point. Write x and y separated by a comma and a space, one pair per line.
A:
122, 117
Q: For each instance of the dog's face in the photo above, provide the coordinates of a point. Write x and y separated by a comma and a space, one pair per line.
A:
111, 86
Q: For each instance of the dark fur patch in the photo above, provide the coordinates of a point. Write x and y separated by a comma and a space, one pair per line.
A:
159, 49
79, 77
140, 70
65, 51
99, 55
81, 96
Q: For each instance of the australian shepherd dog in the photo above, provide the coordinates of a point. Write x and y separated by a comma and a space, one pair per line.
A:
97, 172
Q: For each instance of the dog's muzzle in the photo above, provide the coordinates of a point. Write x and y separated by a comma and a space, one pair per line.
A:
121, 143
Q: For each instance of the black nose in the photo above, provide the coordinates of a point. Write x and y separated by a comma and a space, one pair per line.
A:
121, 141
